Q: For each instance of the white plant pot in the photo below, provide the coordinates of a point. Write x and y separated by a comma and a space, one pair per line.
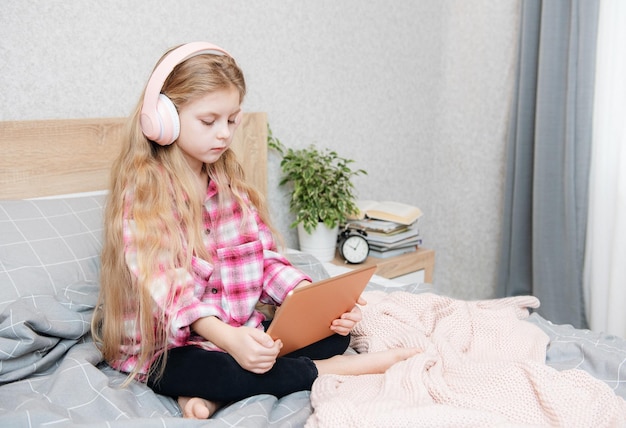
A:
321, 243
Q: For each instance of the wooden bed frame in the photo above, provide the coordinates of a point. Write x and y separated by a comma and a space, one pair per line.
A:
41, 158
55, 157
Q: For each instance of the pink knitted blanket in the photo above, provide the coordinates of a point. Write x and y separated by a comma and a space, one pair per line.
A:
480, 365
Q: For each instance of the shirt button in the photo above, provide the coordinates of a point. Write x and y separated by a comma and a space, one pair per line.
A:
214, 290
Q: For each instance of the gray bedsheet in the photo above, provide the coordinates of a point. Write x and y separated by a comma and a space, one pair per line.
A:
82, 390
601, 355
51, 374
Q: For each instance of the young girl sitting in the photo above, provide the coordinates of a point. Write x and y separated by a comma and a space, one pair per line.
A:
189, 252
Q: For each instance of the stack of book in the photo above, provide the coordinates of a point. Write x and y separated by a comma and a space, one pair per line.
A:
391, 227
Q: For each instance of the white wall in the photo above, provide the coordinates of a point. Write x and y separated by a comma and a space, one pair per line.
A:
416, 91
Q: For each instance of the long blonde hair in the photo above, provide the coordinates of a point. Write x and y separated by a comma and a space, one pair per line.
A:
167, 214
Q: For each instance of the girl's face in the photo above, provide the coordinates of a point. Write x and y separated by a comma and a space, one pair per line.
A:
207, 125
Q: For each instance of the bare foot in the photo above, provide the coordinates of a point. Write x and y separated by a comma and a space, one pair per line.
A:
197, 408
357, 364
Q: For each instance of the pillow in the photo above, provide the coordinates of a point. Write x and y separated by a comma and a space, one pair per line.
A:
49, 279
49, 276
308, 264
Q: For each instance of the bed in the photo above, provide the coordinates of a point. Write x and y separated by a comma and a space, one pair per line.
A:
482, 363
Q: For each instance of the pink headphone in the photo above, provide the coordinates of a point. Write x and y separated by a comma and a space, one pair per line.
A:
159, 118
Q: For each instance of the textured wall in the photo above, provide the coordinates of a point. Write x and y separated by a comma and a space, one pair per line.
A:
417, 92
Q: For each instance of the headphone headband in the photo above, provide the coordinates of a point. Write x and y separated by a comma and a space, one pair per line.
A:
157, 107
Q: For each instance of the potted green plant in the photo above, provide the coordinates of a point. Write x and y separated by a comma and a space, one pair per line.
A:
323, 193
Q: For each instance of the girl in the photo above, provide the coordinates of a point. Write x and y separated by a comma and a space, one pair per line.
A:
189, 252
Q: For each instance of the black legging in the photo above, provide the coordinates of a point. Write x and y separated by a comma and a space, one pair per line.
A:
194, 372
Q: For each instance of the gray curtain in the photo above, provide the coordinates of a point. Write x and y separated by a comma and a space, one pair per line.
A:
549, 147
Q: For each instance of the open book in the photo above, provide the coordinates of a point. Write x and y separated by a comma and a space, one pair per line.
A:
388, 211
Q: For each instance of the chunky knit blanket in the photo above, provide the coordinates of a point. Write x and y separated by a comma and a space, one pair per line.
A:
480, 365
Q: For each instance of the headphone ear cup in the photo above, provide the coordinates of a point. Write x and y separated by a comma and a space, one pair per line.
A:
169, 121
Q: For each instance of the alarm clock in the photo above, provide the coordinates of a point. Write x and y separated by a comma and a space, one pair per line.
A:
353, 246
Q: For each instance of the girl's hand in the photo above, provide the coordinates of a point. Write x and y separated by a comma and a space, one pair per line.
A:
253, 349
346, 322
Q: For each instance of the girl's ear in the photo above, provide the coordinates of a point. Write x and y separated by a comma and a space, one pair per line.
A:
239, 118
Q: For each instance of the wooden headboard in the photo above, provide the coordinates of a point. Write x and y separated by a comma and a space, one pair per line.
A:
55, 157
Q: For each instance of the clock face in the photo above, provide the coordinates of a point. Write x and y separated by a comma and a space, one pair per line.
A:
355, 249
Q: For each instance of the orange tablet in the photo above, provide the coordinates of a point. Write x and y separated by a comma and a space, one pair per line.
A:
307, 312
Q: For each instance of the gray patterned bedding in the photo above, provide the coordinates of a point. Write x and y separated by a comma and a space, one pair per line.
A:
51, 374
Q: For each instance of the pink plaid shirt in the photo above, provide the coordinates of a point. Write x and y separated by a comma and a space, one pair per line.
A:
245, 269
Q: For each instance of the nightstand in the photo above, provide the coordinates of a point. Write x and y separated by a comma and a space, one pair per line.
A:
403, 264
